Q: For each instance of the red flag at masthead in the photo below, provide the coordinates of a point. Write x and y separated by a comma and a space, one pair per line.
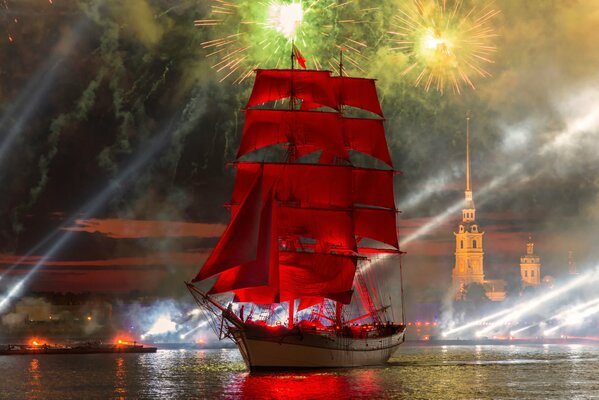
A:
298, 56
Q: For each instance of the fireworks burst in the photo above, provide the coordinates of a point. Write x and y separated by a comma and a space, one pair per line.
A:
253, 34
445, 44
7, 20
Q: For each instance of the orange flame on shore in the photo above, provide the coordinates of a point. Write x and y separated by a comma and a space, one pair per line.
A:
123, 339
36, 342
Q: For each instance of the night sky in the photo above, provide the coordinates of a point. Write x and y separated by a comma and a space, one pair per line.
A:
115, 131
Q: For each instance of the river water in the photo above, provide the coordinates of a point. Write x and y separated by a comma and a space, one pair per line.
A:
435, 372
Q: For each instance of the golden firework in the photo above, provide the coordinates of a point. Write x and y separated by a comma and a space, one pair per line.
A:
445, 43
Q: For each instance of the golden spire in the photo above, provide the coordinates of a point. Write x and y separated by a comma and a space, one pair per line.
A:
530, 246
468, 213
468, 186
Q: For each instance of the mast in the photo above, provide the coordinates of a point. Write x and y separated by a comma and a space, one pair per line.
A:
292, 55
403, 309
339, 306
291, 155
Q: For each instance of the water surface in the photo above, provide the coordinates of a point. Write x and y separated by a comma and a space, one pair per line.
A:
450, 372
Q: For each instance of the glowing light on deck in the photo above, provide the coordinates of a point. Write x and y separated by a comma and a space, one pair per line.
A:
285, 18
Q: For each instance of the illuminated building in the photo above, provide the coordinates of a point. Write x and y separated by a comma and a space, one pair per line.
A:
530, 266
469, 253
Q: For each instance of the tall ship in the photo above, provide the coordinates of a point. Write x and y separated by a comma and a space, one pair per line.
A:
291, 281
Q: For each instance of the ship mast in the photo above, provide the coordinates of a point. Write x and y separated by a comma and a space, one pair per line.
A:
291, 156
339, 305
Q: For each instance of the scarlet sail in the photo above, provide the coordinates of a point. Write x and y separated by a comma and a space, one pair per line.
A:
296, 225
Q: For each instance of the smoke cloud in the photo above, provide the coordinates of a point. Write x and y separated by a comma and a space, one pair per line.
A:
140, 66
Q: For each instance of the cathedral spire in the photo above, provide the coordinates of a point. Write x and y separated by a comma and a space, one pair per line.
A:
530, 246
468, 185
468, 213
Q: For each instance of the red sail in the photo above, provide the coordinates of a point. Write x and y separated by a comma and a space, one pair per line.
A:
259, 295
310, 86
300, 274
239, 242
320, 185
373, 187
299, 184
294, 225
328, 227
377, 224
367, 136
322, 130
261, 273
357, 92
246, 175
308, 301
311, 274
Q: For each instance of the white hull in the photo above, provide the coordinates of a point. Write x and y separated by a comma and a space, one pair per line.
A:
301, 349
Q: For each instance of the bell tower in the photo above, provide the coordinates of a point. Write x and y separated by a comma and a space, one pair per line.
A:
530, 265
469, 255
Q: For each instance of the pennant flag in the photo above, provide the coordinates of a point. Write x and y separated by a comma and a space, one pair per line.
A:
298, 56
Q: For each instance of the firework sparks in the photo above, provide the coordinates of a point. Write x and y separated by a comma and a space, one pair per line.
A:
249, 35
445, 45
7, 20
285, 18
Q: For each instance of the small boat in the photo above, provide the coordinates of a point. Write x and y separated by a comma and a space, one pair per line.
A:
306, 228
82, 348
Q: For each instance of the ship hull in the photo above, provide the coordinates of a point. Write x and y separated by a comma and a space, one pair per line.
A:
300, 349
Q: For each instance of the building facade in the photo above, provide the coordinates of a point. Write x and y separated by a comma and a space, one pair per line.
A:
530, 266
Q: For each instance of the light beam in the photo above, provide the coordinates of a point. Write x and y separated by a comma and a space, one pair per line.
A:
531, 305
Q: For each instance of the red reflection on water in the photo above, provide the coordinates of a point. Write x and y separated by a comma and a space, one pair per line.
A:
35, 386
310, 385
120, 381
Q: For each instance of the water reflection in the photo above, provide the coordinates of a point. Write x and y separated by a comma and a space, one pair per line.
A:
35, 376
120, 381
454, 372
361, 383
